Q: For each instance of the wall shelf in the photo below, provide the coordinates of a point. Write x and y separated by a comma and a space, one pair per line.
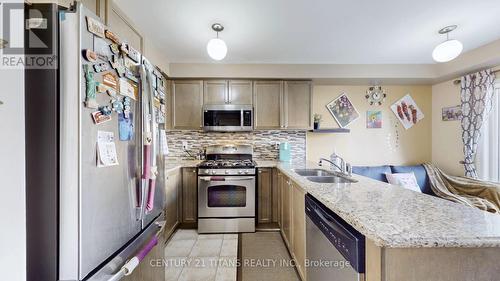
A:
331, 130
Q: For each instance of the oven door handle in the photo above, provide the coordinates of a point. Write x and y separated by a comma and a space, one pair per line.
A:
226, 178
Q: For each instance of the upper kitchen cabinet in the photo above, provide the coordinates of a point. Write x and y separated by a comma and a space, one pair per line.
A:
240, 92
121, 25
297, 105
237, 92
187, 102
267, 100
282, 105
215, 92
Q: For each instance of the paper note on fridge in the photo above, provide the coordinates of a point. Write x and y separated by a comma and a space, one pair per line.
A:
106, 149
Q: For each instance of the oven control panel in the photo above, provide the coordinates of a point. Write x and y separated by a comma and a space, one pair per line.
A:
228, 172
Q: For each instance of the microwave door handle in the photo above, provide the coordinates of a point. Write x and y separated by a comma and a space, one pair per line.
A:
241, 118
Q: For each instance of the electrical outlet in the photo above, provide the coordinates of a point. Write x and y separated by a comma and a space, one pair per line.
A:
185, 145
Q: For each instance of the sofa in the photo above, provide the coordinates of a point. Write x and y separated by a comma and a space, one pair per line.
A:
378, 173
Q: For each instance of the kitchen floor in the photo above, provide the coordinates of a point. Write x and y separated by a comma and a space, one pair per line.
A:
265, 257
190, 256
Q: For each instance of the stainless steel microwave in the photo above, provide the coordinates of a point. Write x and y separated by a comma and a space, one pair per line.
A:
227, 118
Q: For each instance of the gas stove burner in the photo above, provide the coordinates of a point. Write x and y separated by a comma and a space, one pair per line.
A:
228, 163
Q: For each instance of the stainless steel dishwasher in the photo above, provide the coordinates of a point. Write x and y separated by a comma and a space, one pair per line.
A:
334, 249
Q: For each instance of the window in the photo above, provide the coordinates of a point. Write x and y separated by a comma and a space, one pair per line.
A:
488, 150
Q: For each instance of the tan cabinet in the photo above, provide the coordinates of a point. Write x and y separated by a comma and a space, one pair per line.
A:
238, 92
264, 195
173, 188
299, 228
286, 212
297, 104
282, 105
215, 92
292, 220
189, 195
187, 101
267, 100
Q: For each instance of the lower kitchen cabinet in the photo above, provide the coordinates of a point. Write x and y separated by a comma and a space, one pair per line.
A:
292, 220
189, 195
267, 197
299, 228
173, 189
286, 214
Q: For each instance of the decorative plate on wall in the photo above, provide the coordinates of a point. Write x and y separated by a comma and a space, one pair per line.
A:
375, 95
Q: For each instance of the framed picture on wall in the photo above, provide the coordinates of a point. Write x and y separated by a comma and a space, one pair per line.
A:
374, 119
451, 113
342, 110
407, 111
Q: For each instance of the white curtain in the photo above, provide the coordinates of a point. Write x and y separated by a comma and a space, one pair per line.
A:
488, 150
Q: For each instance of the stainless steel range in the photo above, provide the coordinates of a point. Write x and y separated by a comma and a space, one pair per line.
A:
226, 190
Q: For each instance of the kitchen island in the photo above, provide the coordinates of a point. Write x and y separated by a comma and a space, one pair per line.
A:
410, 235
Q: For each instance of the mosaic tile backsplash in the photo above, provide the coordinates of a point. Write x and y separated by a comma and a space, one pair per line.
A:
265, 143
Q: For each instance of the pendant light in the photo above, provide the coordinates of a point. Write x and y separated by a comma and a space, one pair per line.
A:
216, 48
449, 49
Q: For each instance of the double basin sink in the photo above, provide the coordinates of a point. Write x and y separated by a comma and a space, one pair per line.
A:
324, 176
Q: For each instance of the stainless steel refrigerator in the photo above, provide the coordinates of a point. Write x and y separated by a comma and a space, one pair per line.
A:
86, 219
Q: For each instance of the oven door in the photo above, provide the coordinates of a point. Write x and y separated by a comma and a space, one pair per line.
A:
226, 196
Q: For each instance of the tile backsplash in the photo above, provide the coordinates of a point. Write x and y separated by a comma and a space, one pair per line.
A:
265, 142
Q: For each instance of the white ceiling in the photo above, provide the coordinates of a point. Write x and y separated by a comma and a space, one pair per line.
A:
314, 31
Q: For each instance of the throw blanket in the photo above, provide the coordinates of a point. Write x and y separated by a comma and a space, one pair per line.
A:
474, 193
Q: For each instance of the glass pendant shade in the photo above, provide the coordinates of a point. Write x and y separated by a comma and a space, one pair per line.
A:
447, 51
217, 49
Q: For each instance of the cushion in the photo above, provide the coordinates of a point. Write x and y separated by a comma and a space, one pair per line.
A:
420, 175
375, 172
405, 180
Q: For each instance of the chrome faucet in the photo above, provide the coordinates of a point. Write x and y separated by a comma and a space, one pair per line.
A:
344, 167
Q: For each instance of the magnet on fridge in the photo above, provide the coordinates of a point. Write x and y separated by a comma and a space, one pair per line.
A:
112, 36
110, 80
101, 67
89, 55
115, 49
126, 106
117, 64
117, 105
99, 118
130, 75
95, 27
90, 91
106, 110
124, 47
126, 126
133, 54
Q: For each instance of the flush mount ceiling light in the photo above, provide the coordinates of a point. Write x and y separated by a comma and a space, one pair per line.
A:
449, 49
217, 48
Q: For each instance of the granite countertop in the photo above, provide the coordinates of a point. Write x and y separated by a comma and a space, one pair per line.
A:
395, 217
392, 216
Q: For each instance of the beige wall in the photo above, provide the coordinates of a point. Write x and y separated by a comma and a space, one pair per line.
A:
446, 136
364, 146
156, 56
